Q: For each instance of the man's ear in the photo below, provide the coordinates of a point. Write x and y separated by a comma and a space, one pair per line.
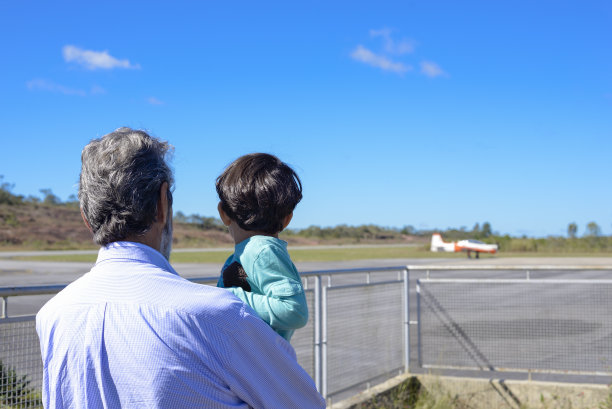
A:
85, 220
164, 204
224, 217
287, 220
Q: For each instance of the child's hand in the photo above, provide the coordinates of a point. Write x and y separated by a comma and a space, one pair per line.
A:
235, 276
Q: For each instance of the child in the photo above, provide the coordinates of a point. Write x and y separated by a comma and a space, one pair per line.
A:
257, 195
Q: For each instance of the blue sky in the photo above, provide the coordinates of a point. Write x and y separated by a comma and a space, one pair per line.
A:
434, 114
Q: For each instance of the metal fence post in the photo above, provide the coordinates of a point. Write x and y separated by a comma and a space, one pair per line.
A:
406, 320
317, 331
418, 295
324, 342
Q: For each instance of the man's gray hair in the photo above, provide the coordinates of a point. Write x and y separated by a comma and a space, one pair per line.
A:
121, 176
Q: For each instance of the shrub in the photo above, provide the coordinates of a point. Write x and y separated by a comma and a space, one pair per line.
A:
16, 390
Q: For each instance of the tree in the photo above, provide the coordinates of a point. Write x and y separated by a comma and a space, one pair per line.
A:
5, 193
49, 198
486, 229
180, 217
32, 199
572, 230
593, 230
410, 230
72, 201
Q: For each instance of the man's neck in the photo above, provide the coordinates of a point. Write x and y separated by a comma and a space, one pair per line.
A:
148, 239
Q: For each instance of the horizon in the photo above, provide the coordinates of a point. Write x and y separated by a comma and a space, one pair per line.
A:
431, 114
179, 215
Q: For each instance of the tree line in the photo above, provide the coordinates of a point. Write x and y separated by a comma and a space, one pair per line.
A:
591, 240
48, 197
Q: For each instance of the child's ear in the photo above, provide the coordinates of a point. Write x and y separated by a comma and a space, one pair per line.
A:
224, 217
287, 220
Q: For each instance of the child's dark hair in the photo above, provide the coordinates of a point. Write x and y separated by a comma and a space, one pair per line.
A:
258, 192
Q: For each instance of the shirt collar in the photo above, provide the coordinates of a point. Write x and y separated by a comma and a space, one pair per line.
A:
239, 247
132, 251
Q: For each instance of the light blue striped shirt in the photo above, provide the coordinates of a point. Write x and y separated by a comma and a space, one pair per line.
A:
131, 333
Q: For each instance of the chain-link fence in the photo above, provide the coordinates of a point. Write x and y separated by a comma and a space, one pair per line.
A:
353, 338
357, 334
516, 325
20, 364
368, 325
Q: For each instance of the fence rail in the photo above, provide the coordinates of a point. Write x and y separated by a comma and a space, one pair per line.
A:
528, 325
370, 324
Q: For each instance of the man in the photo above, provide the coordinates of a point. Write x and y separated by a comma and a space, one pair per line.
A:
131, 333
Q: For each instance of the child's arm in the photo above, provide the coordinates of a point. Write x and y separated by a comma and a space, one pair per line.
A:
280, 308
277, 296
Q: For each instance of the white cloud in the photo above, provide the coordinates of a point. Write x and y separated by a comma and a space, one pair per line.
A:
93, 60
40, 84
431, 69
97, 90
387, 57
404, 46
366, 56
383, 32
44, 85
154, 101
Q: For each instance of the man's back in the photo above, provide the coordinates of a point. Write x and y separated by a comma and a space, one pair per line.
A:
132, 333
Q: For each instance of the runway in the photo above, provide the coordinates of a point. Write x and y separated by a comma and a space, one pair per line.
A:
18, 273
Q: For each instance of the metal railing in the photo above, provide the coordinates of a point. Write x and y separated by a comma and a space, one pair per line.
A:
542, 320
327, 354
466, 317
334, 349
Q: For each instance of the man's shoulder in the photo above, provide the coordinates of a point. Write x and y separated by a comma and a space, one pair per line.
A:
151, 289
63, 297
205, 299
178, 294
214, 308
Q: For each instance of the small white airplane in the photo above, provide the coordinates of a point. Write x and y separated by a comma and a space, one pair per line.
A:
437, 244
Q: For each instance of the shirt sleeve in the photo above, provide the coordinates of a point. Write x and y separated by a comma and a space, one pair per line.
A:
262, 369
282, 302
280, 312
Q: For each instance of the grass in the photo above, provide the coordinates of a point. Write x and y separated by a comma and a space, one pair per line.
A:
315, 253
412, 394
322, 254
72, 258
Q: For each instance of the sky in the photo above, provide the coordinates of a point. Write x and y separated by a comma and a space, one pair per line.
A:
433, 114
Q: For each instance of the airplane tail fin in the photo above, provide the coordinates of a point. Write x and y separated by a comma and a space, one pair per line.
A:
436, 242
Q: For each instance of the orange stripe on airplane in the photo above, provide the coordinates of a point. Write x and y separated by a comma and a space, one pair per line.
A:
461, 248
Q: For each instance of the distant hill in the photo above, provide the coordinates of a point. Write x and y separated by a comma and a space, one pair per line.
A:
48, 223
40, 226
36, 225
55, 226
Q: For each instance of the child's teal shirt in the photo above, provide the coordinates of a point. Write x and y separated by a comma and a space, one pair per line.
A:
276, 292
